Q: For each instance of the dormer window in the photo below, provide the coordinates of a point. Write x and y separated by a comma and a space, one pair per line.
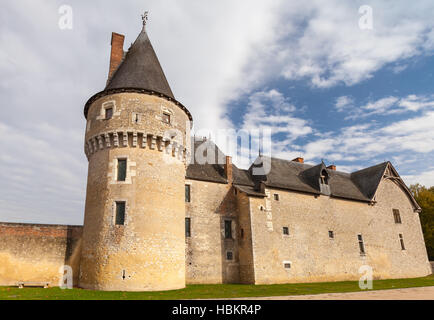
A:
324, 177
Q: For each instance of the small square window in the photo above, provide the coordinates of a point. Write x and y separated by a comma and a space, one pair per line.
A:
120, 213
276, 197
287, 265
166, 118
331, 235
229, 255
108, 113
286, 231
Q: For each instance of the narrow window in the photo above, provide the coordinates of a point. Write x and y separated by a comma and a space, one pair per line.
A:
401, 239
122, 169
166, 118
242, 233
188, 227
187, 193
361, 244
276, 197
120, 213
287, 265
286, 231
397, 216
228, 229
229, 255
331, 235
108, 113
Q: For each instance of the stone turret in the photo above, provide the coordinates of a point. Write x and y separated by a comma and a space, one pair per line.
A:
136, 143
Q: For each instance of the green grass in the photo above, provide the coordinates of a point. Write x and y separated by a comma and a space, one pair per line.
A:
210, 291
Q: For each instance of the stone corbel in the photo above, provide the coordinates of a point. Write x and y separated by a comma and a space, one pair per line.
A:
107, 140
116, 139
134, 139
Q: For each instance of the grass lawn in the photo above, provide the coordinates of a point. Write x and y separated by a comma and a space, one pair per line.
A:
209, 291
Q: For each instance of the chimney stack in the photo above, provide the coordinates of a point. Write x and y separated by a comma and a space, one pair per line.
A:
228, 169
299, 160
117, 52
332, 167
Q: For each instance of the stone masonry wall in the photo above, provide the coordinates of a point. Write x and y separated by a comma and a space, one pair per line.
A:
206, 251
314, 256
147, 253
34, 253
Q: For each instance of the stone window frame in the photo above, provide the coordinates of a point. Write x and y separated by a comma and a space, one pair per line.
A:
129, 174
188, 234
397, 216
191, 188
285, 265
361, 242
114, 204
107, 105
231, 229
170, 113
138, 116
401, 241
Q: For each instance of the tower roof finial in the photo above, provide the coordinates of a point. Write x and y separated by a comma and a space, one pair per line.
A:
145, 18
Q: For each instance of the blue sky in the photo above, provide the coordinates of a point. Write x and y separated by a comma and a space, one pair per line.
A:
305, 69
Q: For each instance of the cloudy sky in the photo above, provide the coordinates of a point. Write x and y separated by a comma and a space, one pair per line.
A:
327, 88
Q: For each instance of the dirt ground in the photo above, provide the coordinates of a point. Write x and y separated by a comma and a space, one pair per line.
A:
423, 293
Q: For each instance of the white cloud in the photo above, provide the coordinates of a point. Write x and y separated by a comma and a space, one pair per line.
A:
211, 51
425, 178
343, 103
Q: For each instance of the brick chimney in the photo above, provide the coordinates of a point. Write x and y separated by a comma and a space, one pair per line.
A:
117, 52
299, 160
228, 169
332, 167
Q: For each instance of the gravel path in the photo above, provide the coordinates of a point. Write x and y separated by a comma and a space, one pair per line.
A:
422, 293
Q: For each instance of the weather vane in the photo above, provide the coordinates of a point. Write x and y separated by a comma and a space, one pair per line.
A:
145, 18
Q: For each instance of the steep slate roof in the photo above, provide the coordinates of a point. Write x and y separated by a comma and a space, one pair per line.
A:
140, 69
215, 171
368, 179
290, 175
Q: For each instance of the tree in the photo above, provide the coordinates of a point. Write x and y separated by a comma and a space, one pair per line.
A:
425, 198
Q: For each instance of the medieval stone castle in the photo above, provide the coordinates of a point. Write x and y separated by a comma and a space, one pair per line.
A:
155, 222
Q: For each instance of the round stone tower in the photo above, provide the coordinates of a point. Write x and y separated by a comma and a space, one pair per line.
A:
136, 143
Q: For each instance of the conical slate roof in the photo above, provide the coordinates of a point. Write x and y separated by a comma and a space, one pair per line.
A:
140, 69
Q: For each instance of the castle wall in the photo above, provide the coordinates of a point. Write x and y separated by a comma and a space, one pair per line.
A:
315, 257
147, 253
246, 258
35, 253
211, 204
